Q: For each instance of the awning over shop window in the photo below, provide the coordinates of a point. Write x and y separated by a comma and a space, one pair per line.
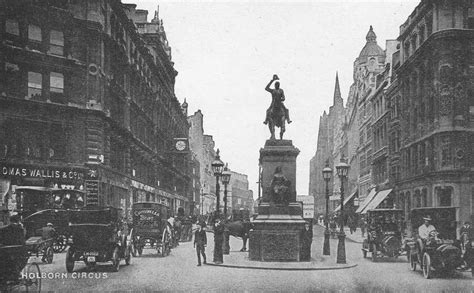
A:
381, 195
346, 201
367, 200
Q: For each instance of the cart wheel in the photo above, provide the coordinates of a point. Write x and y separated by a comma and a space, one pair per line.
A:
116, 260
374, 252
60, 244
70, 260
49, 254
128, 255
426, 266
364, 253
33, 281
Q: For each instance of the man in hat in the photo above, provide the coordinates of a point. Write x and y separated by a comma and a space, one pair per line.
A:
48, 232
200, 242
425, 229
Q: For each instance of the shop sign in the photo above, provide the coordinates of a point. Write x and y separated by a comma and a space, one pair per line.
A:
34, 172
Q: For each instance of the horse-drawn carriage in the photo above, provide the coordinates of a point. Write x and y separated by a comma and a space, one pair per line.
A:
440, 252
60, 220
383, 233
97, 235
151, 228
16, 274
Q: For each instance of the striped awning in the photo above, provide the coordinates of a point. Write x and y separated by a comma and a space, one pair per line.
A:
346, 200
367, 200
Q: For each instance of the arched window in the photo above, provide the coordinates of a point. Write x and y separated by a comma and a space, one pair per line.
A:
444, 196
424, 198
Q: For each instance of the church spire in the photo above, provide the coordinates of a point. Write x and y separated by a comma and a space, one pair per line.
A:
337, 92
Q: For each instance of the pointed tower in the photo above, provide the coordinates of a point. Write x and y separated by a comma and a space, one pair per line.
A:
337, 99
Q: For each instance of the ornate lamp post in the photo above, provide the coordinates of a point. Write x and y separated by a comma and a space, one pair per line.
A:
217, 166
342, 169
225, 177
327, 174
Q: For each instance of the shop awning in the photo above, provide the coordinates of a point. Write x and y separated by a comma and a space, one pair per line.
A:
367, 200
381, 195
346, 201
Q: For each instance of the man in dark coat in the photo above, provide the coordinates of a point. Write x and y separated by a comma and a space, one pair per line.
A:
14, 234
200, 242
306, 240
218, 239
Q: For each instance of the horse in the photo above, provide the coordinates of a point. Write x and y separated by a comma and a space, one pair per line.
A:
239, 229
276, 116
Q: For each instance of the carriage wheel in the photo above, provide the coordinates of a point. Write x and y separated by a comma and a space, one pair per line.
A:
374, 252
426, 266
116, 260
49, 254
60, 244
33, 281
70, 260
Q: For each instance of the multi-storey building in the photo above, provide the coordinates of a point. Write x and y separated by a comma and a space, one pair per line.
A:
436, 108
239, 197
329, 123
87, 101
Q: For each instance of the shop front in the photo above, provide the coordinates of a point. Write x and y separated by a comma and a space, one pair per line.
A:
25, 189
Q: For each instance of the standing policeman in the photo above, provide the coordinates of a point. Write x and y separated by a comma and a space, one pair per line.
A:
200, 242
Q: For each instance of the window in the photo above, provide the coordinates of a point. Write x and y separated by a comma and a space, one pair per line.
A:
444, 195
446, 156
12, 79
34, 33
56, 87
56, 43
35, 81
12, 27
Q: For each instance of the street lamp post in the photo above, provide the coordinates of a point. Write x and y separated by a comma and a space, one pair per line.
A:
327, 174
342, 169
217, 166
225, 177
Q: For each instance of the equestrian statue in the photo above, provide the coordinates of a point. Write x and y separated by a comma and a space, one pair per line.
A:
277, 113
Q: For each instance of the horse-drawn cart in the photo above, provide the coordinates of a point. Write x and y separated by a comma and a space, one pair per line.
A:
150, 228
16, 274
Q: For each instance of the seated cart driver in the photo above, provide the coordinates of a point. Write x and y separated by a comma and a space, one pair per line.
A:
425, 229
424, 232
48, 232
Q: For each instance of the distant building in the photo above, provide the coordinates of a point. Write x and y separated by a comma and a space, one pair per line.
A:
239, 195
202, 146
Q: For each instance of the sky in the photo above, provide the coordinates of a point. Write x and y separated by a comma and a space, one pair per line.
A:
226, 52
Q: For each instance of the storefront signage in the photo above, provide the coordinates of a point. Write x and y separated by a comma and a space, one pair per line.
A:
32, 172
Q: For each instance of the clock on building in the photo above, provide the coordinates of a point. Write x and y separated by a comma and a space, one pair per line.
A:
180, 145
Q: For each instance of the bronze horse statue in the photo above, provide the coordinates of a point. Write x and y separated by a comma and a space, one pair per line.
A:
277, 114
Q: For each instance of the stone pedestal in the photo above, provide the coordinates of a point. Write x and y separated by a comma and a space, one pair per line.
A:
277, 228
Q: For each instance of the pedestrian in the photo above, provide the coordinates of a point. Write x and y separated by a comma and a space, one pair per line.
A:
218, 239
363, 226
200, 243
306, 240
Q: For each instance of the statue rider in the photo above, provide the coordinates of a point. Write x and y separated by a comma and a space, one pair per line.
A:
278, 96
